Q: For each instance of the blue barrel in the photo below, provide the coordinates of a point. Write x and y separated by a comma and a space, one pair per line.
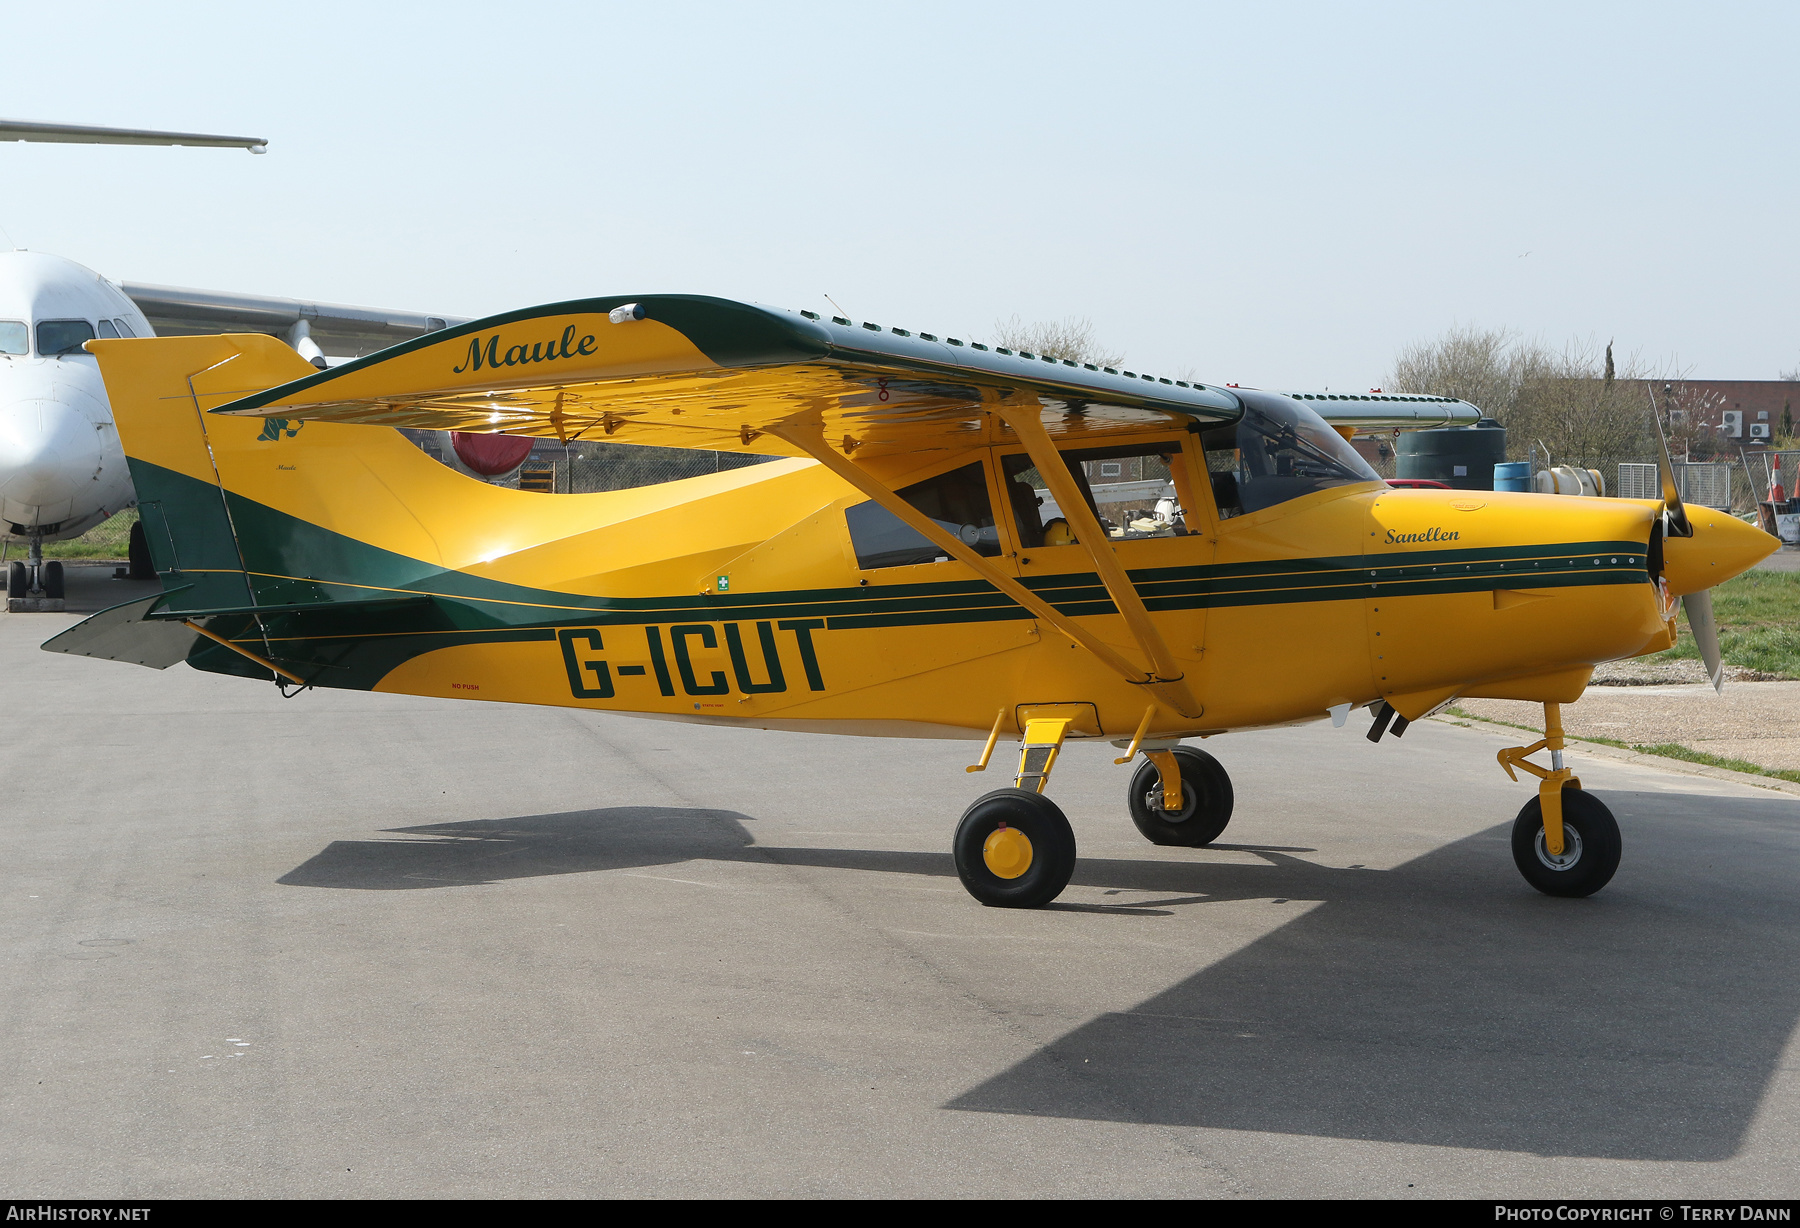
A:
1512, 475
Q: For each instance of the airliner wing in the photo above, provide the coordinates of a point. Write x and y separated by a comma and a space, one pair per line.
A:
339, 329
88, 134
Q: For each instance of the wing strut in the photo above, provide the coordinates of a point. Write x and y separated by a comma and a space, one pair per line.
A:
811, 440
1167, 673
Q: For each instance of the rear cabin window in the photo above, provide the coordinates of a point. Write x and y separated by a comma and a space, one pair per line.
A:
1279, 450
63, 336
957, 501
1130, 489
13, 337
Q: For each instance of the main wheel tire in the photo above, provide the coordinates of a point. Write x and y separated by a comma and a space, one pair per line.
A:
1206, 798
53, 579
991, 872
1591, 846
137, 554
18, 580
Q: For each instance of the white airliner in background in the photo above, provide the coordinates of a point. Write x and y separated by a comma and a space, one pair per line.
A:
61, 469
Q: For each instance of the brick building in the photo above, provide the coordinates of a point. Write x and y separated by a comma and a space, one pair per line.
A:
1771, 403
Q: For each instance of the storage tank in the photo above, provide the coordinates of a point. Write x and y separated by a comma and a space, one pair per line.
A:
1463, 456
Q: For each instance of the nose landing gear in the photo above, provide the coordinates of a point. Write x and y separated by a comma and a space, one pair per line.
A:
34, 584
1565, 842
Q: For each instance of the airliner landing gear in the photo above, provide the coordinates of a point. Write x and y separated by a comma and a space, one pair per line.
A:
35, 580
1565, 842
1205, 797
137, 553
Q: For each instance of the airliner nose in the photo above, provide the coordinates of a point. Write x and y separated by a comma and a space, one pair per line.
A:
47, 451
1722, 546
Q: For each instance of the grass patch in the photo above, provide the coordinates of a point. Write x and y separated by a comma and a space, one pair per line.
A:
1674, 750
109, 540
1759, 624
1668, 750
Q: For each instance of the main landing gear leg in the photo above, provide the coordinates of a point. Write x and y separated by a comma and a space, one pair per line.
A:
1565, 841
1014, 847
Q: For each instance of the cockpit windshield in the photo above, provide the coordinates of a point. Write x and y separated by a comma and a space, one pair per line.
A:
63, 336
1279, 450
13, 338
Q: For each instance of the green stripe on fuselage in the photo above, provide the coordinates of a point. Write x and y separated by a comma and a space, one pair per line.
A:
292, 563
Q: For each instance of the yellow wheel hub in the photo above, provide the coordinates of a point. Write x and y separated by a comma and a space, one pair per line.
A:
1007, 852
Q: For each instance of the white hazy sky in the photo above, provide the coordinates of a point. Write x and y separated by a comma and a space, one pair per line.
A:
1272, 194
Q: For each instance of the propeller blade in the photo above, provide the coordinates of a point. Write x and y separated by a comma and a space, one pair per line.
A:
1674, 514
1706, 634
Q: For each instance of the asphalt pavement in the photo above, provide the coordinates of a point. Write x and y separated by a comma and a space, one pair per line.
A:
353, 945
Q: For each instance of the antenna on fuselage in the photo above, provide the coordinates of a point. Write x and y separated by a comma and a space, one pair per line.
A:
84, 134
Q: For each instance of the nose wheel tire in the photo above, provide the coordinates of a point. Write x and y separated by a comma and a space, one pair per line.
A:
1014, 849
53, 579
1591, 846
18, 580
1206, 801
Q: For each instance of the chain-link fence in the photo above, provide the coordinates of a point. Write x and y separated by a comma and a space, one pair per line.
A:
109, 540
587, 468
583, 468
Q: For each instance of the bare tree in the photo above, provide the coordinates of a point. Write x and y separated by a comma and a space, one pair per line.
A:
1479, 365
1071, 338
1577, 402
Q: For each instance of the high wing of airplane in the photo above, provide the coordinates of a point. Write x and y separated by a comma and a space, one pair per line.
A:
61, 470
957, 541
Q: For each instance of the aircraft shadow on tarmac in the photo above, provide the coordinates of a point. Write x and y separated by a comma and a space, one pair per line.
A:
1446, 1003
1442, 1002
494, 850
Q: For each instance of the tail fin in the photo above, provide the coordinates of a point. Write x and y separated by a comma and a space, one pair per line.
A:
279, 514
157, 389
262, 529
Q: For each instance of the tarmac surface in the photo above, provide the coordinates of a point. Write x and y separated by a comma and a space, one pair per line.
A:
357, 945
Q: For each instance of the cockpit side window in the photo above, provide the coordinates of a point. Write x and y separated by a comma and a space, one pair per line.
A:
958, 501
63, 336
109, 329
1131, 489
124, 328
1279, 450
14, 339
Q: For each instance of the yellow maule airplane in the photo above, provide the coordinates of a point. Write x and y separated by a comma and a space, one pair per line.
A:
960, 542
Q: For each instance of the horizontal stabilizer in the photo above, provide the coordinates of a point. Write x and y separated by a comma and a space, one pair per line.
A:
123, 633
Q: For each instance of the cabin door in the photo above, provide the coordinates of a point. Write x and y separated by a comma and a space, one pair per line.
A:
1146, 498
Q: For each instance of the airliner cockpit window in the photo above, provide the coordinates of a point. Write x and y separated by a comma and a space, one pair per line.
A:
13, 338
1279, 450
63, 336
108, 329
